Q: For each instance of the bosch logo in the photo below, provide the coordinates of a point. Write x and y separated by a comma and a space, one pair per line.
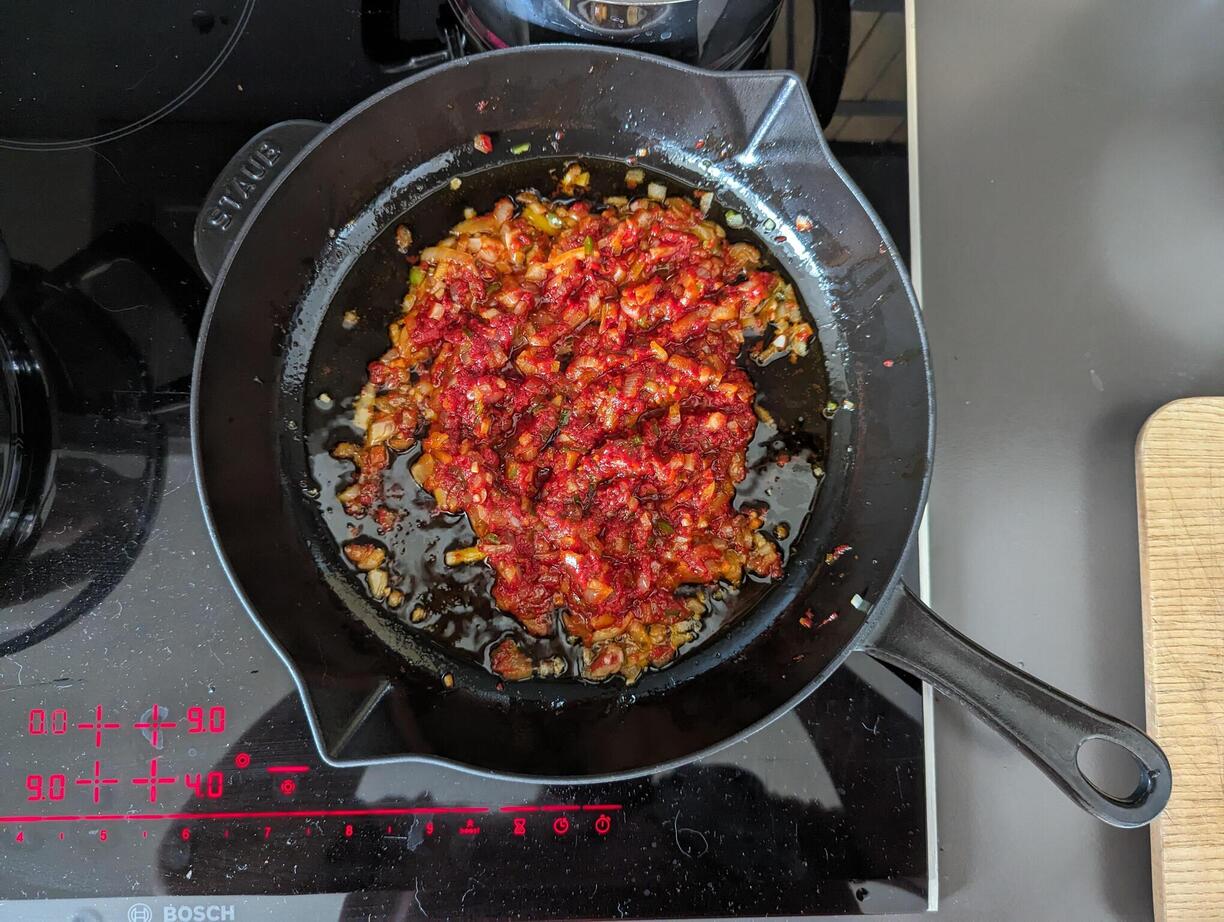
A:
140, 912
213, 913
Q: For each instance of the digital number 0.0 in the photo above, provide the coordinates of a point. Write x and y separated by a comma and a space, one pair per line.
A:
39, 724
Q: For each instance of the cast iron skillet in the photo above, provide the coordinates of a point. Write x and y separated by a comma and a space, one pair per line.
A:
295, 241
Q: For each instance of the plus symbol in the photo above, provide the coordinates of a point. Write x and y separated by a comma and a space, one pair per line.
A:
153, 781
97, 781
98, 726
156, 725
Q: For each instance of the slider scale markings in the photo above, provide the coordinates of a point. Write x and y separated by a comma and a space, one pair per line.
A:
276, 814
240, 814
556, 808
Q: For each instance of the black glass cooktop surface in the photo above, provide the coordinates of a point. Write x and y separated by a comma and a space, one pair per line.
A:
155, 762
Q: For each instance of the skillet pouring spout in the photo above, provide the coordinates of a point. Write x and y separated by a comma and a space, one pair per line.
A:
1045, 724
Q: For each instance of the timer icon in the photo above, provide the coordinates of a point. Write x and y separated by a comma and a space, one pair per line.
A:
603, 824
561, 825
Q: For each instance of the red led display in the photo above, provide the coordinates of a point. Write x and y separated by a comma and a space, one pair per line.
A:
155, 725
154, 780
97, 725
52, 787
247, 814
39, 724
200, 722
211, 785
97, 781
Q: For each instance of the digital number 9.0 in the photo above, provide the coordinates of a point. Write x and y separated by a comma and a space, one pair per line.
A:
52, 787
200, 721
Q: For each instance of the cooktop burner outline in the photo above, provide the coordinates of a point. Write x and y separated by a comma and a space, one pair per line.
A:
201, 23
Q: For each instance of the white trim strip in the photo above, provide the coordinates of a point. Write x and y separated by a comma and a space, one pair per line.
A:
924, 531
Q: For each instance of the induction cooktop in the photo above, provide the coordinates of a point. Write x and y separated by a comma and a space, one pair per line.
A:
155, 760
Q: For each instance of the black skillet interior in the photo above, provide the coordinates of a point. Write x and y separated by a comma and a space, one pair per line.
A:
373, 686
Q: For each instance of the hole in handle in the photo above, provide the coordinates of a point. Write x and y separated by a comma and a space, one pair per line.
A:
1112, 769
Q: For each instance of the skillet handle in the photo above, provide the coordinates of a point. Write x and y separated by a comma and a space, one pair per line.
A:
240, 187
1046, 725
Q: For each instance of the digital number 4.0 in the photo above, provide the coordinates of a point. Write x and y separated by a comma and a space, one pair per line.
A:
211, 785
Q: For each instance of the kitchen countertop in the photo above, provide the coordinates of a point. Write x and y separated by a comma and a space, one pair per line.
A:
1069, 227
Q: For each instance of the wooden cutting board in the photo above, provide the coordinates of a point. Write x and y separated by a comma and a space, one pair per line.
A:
1180, 474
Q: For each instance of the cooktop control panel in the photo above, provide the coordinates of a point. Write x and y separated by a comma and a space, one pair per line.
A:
189, 795
107, 778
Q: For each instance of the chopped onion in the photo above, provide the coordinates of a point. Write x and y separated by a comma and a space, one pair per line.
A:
379, 583
503, 211
656, 191
464, 555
